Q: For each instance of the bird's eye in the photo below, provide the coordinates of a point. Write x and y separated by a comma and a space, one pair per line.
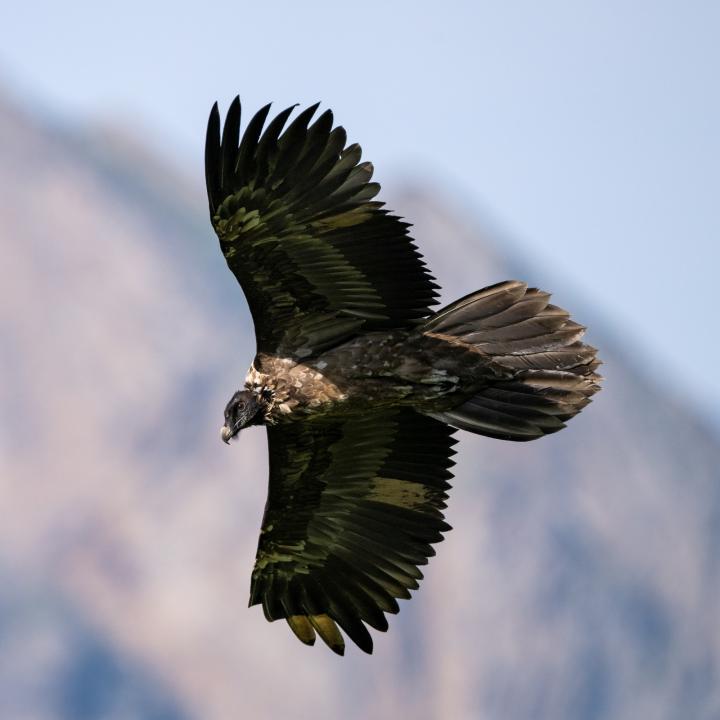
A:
241, 405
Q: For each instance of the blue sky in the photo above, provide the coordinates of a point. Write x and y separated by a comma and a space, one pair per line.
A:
587, 131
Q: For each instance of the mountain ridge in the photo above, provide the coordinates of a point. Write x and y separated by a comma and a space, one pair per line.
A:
579, 581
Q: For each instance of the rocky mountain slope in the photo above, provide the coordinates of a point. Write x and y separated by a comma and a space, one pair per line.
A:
581, 580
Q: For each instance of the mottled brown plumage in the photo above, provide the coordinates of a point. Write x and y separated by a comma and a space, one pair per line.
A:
359, 383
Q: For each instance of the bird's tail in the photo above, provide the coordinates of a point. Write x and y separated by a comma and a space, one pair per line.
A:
549, 374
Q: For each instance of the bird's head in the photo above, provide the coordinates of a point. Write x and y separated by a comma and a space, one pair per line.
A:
245, 408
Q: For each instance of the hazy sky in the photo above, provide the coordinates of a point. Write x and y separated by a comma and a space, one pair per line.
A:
587, 131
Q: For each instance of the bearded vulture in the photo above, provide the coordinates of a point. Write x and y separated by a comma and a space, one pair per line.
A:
360, 383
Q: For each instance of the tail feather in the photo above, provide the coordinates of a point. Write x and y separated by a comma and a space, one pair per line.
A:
550, 371
472, 309
525, 338
577, 355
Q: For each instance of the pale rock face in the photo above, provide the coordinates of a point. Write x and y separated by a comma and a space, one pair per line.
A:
580, 580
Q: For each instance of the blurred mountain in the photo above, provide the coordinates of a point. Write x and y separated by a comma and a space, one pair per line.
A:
581, 580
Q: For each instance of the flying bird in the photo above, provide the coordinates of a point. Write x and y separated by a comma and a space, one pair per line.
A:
360, 383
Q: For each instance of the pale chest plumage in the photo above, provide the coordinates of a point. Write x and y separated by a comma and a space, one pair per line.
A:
296, 388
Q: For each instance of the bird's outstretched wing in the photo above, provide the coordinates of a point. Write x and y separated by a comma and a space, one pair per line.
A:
317, 258
353, 508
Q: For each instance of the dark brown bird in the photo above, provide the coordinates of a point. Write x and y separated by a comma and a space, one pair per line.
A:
359, 383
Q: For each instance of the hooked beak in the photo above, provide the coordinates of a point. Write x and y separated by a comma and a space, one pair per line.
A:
226, 433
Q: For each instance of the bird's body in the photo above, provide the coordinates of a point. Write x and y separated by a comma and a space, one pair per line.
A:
360, 383
382, 369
